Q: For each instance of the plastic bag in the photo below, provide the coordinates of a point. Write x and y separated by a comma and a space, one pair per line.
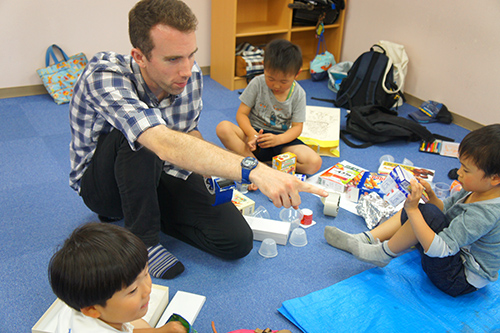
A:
337, 73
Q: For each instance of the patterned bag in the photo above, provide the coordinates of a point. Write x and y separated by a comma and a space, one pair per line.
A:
60, 78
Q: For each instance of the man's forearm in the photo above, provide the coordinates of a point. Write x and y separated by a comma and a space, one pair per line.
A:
190, 152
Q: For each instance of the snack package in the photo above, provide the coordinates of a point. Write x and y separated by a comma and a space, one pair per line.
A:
338, 176
427, 174
364, 184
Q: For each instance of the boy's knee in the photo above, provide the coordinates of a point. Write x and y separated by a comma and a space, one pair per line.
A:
223, 128
313, 165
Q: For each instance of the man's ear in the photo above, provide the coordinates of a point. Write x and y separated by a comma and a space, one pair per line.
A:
138, 56
91, 311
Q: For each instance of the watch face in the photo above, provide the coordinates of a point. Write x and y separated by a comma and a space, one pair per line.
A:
249, 162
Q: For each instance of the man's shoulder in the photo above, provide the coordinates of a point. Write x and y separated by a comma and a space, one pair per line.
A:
111, 61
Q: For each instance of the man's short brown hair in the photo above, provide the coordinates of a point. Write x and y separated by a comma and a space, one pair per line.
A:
148, 13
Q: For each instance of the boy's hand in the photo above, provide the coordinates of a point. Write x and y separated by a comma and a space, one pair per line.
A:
252, 141
415, 194
172, 327
268, 140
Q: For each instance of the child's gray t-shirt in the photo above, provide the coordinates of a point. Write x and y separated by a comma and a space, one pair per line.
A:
267, 112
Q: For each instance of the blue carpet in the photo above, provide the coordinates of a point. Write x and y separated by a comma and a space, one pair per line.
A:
38, 210
397, 298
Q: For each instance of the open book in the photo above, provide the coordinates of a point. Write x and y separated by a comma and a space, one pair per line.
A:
185, 304
321, 130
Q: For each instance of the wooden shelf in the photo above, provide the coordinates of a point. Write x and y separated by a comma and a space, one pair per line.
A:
258, 22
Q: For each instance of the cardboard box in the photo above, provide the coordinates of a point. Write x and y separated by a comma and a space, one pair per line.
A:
426, 174
338, 176
286, 162
264, 228
244, 204
157, 303
368, 182
397, 186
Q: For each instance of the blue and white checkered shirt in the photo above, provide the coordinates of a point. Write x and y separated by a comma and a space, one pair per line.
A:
111, 94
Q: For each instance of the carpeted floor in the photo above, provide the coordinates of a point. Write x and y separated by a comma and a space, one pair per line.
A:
38, 210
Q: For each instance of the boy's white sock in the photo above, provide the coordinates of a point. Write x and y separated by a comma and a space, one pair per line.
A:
339, 239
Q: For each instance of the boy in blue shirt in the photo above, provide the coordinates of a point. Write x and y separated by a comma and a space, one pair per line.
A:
272, 112
458, 238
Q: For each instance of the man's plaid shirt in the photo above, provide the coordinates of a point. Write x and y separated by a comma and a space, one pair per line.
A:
111, 95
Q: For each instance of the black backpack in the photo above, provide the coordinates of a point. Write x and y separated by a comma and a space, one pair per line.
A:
376, 124
365, 81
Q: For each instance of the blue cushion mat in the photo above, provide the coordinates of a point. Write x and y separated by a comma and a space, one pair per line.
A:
396, 298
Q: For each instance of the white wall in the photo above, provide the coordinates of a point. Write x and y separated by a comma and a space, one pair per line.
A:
453, 45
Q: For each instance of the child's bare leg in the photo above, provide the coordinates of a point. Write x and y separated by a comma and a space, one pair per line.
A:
308, 161
387, 229
233, 138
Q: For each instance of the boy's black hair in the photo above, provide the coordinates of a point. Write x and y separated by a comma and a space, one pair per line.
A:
482, 146
97, 260
284, 56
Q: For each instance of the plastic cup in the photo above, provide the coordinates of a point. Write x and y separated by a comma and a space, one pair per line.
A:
407, 162
387, 158
242, 188
294, 216
261, 213
298, 237
268, 248
442, 190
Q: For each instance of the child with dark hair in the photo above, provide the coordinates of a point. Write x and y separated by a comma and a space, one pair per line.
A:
272, 112
101, 273
458, 238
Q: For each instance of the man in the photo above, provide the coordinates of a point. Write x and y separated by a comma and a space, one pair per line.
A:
136, 152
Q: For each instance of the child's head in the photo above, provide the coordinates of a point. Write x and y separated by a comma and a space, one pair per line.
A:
102, 268
482, 147
282, 56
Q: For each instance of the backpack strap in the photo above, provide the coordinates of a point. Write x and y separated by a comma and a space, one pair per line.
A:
358, 80
352, 144
377, 71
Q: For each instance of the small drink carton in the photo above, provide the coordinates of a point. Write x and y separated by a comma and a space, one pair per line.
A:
397, 186
244, 204
286, 162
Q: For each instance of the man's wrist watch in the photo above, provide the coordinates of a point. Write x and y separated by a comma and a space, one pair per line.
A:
247, 165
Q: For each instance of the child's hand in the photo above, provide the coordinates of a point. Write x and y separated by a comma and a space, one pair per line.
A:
172, 327
252, 141
268, 140
415, 194
426, 185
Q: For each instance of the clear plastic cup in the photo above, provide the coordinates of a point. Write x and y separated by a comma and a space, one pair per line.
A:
268, 248
242, 188
294, 216
407, 162
388, 158
298, 237
442, 190
261, 212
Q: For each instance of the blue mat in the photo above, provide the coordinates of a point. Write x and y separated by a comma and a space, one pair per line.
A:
396, 298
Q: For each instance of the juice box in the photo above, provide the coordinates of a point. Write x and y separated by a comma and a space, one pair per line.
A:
286, 162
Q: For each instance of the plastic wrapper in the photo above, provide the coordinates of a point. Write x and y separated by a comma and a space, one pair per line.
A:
374, 209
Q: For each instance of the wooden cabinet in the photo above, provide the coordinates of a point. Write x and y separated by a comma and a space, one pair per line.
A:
258, 22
